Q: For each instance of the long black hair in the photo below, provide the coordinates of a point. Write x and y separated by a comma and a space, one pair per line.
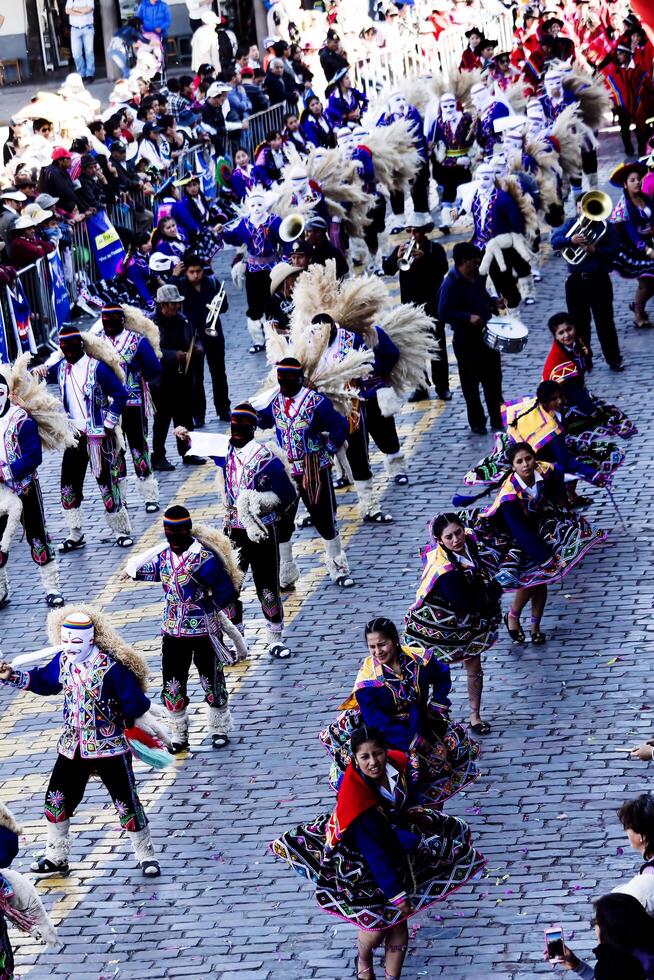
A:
366, 733
638, 815
383, 625
518, 447
441, 521
623, 922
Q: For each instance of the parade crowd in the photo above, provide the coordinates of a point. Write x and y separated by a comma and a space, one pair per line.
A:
335, 223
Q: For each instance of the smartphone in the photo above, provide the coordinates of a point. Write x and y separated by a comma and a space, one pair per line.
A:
554, 943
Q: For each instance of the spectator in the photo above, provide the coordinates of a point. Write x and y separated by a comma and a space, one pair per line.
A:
12, 201
227, 42
91, 194
293, 134
301, 72
271, 159
155, 17
466, 305
254, 57
626, 942
214, 117
180, 102
24, 181
136, 270
128, 38
637, 818
269, 46
196, 8
82, 34
316, 128
150, 148
204, 43
241, 58
278, 85
97, 128
56, 179
252, 82
27, 246
173, 142
240, 107
331, 55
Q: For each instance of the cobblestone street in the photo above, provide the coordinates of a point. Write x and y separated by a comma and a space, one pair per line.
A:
543, 810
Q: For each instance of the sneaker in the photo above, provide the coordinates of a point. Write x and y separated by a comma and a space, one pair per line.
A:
44, 867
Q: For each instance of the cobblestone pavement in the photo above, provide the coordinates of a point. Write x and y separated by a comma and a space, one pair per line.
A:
543, 810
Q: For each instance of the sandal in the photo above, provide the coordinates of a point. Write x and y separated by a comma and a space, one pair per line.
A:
124, 541
342, 483
517, 635
177, 747
344, 581
256, 349
401, 479
368, 971
306, 521
150, 869
151, 507
219, 740
538, 638
279, 651
44, 866
377, 518
481, 728
71, 544
55, 600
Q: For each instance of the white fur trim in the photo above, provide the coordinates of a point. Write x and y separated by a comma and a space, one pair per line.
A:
236, 635
255, 329
142, 844
119, 522
219, 720
74, 522
249, 505
149, 489
26, 900
178, 721
5, 591
288, 570
10, 505
365, 499
526, 287
494, 250
394, 464
57, 847
390, 403
50, 577
336, 559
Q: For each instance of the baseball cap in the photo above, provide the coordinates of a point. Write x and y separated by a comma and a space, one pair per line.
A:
169, 294
117, 147
61, 153
151, 127
314, 223
218, 88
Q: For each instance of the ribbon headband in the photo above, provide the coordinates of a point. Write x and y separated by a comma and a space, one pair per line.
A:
113, 310
177, 520
80, 624
244, 415
289, 369
65, 334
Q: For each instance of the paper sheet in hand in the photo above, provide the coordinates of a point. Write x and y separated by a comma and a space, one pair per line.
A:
36, 659
208, 444
136, 561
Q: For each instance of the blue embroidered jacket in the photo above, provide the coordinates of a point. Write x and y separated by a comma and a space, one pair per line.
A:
255, 467
195, 585
105, 397
101, 698
486, 136
20, 451
241, 182
502, 216
261, 243
456, 141
338, 107
186, 218
417, 128
317, 134
300, 424
385, 351
362, 156
553, 110
138, 361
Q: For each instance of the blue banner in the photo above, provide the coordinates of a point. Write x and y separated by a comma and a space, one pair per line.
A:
60, 297
20, 310
5, 356
106, 246
206, 176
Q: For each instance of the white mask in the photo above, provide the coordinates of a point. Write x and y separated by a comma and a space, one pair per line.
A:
499, 162
397, 104
77, 641
346, 142
256, 208
553, 87
513, 141
485, 177
479, 96
4, 396
449, 109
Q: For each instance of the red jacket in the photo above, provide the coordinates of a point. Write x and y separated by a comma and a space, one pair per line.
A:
631, 89
469, 60
24, 251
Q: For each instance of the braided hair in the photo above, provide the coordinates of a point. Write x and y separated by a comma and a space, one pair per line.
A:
383, 625
366, 733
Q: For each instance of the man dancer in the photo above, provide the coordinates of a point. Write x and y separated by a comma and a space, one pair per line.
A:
91, 387
140, 362
199, 575
399, 108
300, 417
103, 681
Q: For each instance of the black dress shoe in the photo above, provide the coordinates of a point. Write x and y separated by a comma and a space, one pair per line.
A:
162, 465
616, 365
479, 430
445, 396
224, 416
189, 460
419, 395
199, 423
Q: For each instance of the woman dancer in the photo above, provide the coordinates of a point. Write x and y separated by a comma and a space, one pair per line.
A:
538, 538
404, 694
633, 217
244, 175
457, 610
168, 239
379, 858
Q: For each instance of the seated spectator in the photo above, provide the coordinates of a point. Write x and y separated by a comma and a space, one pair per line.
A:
244, 175
180, 100
270, 158
151, 149
126, 185
254, 58
27, 245
301, 71
170, 241
91, 194
56, 179
25, 181
11, 202
252, 83
626, 942
315, 125
278, 85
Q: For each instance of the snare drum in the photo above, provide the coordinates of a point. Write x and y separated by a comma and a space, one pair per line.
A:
505, 334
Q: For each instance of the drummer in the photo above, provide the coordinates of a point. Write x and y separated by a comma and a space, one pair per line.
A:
466, 305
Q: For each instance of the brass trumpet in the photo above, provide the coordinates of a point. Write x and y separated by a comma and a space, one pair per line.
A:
596, 206
214, 308
405, 263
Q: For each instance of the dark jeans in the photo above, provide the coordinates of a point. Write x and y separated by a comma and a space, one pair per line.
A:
506, 281
263, 558
591, 294
449, 178
214, 352
381, 428
257, 292
322, 513
70, 776
173, 403
479, 365
177, 654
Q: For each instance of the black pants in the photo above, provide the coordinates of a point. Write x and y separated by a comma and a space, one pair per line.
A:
440, 369
357, 448
135, 429
257, 292
263, 558
33, 521
177, 654
68, 784
624, 122
74, 465
173, 400
479, 365
322, 512
591, 294
419, 193
377, 215
214, 352
505, 281
381, 428
449, 179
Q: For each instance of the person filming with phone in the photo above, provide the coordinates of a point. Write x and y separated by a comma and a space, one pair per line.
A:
626, 942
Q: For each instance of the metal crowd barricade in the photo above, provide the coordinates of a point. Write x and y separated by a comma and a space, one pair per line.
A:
85, 269
37, 285
259, 125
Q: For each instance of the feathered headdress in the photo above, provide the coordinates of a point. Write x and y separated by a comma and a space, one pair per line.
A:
591, 94
139, 323
26, 391
567, 136
99, 348
458, 83
511, 185
106, 638
394, 154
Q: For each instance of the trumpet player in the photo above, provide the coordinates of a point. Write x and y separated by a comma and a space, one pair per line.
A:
201, 295
588, 288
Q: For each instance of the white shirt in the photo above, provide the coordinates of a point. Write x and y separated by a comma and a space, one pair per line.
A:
75, 396
464, 559
532, 491
392, 775
197, 7
79, 20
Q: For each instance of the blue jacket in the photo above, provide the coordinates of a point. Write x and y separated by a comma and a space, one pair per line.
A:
154, 16
458, 299
137, 271
417, 128
263, 472
338, 108
301, 433
520, 517
8, 848
22, 450
240, 106
140, 364
597, 261
105, 396
95, 719
240, 183
315, 133
385, 845
502, 216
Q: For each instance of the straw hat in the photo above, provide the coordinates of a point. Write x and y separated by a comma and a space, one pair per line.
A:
281, 272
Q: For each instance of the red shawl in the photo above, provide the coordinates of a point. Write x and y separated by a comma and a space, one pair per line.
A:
355, 796
559, 366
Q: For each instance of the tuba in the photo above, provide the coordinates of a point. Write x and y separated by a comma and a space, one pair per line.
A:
291, 227
596, 206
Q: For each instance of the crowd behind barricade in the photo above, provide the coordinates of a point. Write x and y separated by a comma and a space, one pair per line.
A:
306, 172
